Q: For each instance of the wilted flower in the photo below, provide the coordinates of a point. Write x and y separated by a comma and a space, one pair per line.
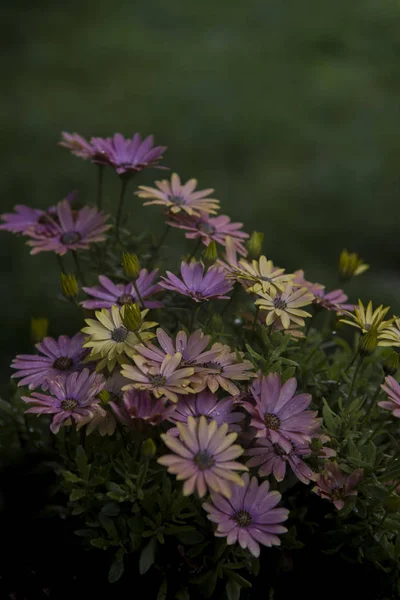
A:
56, 360
164, 379
334, 485
367, 319
285, 306
204, 457
78, 145
109, 293
177, 197
272, 459
392, 388
350, 265
280, 415
209, 228
198, 285
140, 405
72, 398
207, 404
249, 516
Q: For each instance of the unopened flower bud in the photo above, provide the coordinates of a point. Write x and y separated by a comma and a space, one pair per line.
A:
131, 266
39, 328
210, 254
131, 316
368, 342
148, 448
69, 285
391, 364
105, 397
350, 265
254, 244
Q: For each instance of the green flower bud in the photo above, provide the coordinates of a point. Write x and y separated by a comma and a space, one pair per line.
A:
148, 448
131, 266
69, 285
350, 265
210, 254
39, 328
105, 397
368, 342
391, 364
131, 316
254, 244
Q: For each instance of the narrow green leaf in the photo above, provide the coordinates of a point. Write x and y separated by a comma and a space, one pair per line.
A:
232, 590
116, 570
147, 556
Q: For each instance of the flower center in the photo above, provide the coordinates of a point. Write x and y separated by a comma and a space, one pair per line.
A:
337, 493
279, 303
120, 334
157, 380
177, 200
265, 278
63, 363
213, 366
203, 460
71, 237
125, 299
272, 421
69, 404
243, 518
206, 228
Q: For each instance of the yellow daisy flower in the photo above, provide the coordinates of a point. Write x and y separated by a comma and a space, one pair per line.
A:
390, 336
262, 274
284, 306
368, 319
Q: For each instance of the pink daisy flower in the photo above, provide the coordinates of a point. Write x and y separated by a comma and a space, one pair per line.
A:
250, 516
334, 300
272, 459
177, 197
392, 388
26, 219
223, 370
56, 360
334, 485
209, 228
203, 457
75, 230
72, 398
207, 404
200, 286
109, 293
280, 415
140, 405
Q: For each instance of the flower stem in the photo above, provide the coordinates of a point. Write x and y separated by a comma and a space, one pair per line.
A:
373, 403
60, 263
140, 299
194, 252
193, 317
100, 178
161, 241
124, 184
255, 320
78, 267
353, 382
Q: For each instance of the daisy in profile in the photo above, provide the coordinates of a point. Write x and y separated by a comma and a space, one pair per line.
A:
392, 389
177, 197
204, 457
262, 274
165, 379
390, 336
56, 359
71, 230
138, 405
334, 485
108, 293
273, 460
367, 319
336, 300
250, 516
285, 306
78, 145
110, 339
199, 285
207, 228
72, 398
223, 370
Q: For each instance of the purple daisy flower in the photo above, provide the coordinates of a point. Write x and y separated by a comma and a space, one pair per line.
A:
334, 300
75, 230
280, 415
272, 459
109, 293
207, 404
72, 398
334, 485
78, 145
56, 360
392, 388
249, 516
127, 156
200, 286
23, 219
211, 228
140, 405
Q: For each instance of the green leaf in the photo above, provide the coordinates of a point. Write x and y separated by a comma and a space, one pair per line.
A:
190, 537
241, 581
330, 419
162, 592
84, 532
111, 509
68, 476
182, 595
117, 569
232, 590
147, 556
100, 543
81, 461
109, 525
77, 494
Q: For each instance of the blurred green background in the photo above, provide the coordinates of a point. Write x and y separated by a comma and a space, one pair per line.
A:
289, 109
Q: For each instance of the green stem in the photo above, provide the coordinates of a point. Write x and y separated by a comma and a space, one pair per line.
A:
229, 302
60, 263
124, 183
197, 246
372, 404
140, 299
78, 267
100, 178
193, 317
255, 320
353, 382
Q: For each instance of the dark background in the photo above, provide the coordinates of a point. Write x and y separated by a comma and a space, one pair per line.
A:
289, 109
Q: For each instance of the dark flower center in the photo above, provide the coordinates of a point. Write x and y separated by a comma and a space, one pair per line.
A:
213, 366
279, 303
71, 237
243, 518
120, 334
203, 460
45, 219
177, 200
69, 404
125, 299
157, 380
265, 278
337, 493
206, 228
272, 421
63, 363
